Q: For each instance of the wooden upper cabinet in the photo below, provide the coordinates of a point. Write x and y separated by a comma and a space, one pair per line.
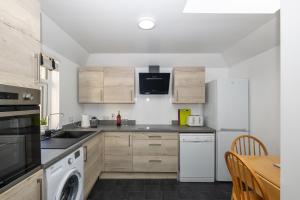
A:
189, 85
19, 41
106, 85
119, 85
90, 85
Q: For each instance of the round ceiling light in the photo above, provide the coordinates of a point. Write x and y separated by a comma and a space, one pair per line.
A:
146, 23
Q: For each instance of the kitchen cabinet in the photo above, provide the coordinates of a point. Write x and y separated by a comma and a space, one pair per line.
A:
189, 85
30, 188
91, 163
155, 152
119, 85
90, 86
106, 85
19, 42
117, 152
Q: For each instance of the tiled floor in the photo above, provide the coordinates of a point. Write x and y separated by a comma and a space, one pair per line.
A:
159, 190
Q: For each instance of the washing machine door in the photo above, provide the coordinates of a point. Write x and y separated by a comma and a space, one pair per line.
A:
71, 187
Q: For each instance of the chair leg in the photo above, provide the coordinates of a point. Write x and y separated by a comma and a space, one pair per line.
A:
233, 195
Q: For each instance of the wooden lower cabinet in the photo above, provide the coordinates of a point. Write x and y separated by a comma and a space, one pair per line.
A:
30, 188
92, 165
141, 152
155, 152
118, 152
155, 163
155, 147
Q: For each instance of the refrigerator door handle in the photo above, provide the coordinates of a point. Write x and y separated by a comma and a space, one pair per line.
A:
234, 129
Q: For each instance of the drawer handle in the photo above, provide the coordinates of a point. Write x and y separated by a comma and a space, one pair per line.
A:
155, 145
154, 136
155, 161
40, 182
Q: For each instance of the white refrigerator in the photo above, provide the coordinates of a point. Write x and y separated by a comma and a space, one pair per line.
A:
227, 111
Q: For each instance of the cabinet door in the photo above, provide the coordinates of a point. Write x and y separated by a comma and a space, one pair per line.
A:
119, 85
189, 85
19, 41
155, 163
155, 147
30, 188
91, 164
119, 94
90, 86
187, 76
118, 152
192, 94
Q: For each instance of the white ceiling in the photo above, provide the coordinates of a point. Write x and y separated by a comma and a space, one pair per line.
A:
110, 26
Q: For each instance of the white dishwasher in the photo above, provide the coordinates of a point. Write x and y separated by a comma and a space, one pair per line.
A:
197, 157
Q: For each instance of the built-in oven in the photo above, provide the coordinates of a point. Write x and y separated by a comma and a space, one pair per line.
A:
19, 132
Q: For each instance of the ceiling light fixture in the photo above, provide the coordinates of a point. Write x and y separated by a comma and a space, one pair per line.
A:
232, 6
146, 23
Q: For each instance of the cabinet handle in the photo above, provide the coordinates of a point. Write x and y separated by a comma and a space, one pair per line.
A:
40, 182
38, 69
85, 153
158, 145
154, 161
129, 140
154, 136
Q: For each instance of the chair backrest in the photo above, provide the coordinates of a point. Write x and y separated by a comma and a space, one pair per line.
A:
249, 146
246, 185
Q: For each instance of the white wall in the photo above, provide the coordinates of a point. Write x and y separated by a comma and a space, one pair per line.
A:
263, 72
68, 103
159, 110
55, 38
59, 45
290, 98
265, 37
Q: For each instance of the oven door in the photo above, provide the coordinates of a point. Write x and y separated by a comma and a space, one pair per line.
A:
19, 141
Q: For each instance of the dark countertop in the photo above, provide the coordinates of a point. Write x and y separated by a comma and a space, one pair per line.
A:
145, 128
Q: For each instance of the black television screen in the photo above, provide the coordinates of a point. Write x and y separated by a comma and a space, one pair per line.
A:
154, 83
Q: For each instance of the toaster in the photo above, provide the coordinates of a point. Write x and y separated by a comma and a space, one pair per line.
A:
195, 120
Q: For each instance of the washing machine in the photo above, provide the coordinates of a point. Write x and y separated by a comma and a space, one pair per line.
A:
64, 179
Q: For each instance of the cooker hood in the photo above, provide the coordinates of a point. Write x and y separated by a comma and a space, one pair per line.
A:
154, 82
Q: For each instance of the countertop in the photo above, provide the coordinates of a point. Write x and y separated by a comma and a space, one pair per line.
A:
51, 156
145, 128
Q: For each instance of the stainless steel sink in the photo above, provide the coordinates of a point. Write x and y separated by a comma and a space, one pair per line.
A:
71, 134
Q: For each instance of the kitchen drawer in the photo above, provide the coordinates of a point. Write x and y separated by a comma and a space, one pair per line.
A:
155, 147
155, 136
155, 163
118, 163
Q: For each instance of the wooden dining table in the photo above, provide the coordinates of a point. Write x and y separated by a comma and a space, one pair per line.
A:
269, 174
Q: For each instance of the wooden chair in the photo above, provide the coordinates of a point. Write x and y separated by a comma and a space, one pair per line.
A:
248, 145
246, 185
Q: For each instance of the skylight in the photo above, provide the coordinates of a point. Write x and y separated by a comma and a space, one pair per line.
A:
232, 6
